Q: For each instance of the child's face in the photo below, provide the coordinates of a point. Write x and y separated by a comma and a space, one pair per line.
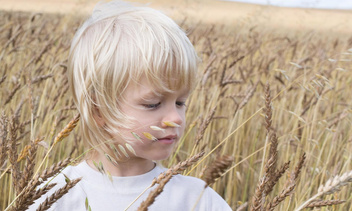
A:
150, 110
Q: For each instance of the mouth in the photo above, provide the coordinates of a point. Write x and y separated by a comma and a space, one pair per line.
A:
168, 139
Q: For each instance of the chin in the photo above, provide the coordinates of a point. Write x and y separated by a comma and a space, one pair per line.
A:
163, 156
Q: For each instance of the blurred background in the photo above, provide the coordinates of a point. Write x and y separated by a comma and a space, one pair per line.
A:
302, 48
322, 15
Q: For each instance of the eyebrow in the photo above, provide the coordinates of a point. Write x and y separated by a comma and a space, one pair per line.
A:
150, 95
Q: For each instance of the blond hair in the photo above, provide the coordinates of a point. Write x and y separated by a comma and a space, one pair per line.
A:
117, 45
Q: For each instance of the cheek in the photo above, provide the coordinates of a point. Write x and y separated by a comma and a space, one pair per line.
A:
135, 133
142, 123
183, 125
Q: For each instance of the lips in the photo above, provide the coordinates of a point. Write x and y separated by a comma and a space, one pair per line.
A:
168, 139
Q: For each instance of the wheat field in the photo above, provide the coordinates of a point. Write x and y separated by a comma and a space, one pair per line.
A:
276, 103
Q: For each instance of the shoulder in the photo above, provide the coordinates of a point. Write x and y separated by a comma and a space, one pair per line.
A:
188, 181
74, 195
179, 179
194, 190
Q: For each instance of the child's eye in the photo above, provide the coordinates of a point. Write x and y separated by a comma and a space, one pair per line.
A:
180, 104
151, 106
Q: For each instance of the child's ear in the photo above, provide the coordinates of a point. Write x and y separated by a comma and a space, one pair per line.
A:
97, 117
96, 113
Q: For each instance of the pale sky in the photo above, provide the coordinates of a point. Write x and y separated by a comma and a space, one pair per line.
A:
318, 4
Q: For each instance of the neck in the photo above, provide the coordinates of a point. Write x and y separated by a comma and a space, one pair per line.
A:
130, 167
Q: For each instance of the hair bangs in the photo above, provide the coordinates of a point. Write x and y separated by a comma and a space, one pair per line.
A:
161, 53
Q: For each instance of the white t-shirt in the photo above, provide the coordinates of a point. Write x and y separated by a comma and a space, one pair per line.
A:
179, 194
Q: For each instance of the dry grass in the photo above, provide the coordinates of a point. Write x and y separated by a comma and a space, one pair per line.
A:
307, 110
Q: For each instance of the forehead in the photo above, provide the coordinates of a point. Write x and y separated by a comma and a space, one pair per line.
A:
144, 88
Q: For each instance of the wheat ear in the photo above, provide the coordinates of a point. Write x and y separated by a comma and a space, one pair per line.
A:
242, 207
38, 179
67, 130
335, 184
13, 155
268, 108
290, 185
29, 167
3, 137
270, 166
331, 186
178, 168
323, 203
57, 195
248, 96
278, 199
34, 196
216, 169
257, 201
270, 178
154, 193
204, 126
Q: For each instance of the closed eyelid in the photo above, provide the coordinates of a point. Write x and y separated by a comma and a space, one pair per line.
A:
151, 105
181, 103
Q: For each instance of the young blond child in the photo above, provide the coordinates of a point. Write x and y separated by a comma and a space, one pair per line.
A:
131, 70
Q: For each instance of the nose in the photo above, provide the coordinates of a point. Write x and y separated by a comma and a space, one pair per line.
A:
173, 115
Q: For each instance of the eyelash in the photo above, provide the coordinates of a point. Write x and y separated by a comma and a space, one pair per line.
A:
152, 106
180, 103
155, 106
